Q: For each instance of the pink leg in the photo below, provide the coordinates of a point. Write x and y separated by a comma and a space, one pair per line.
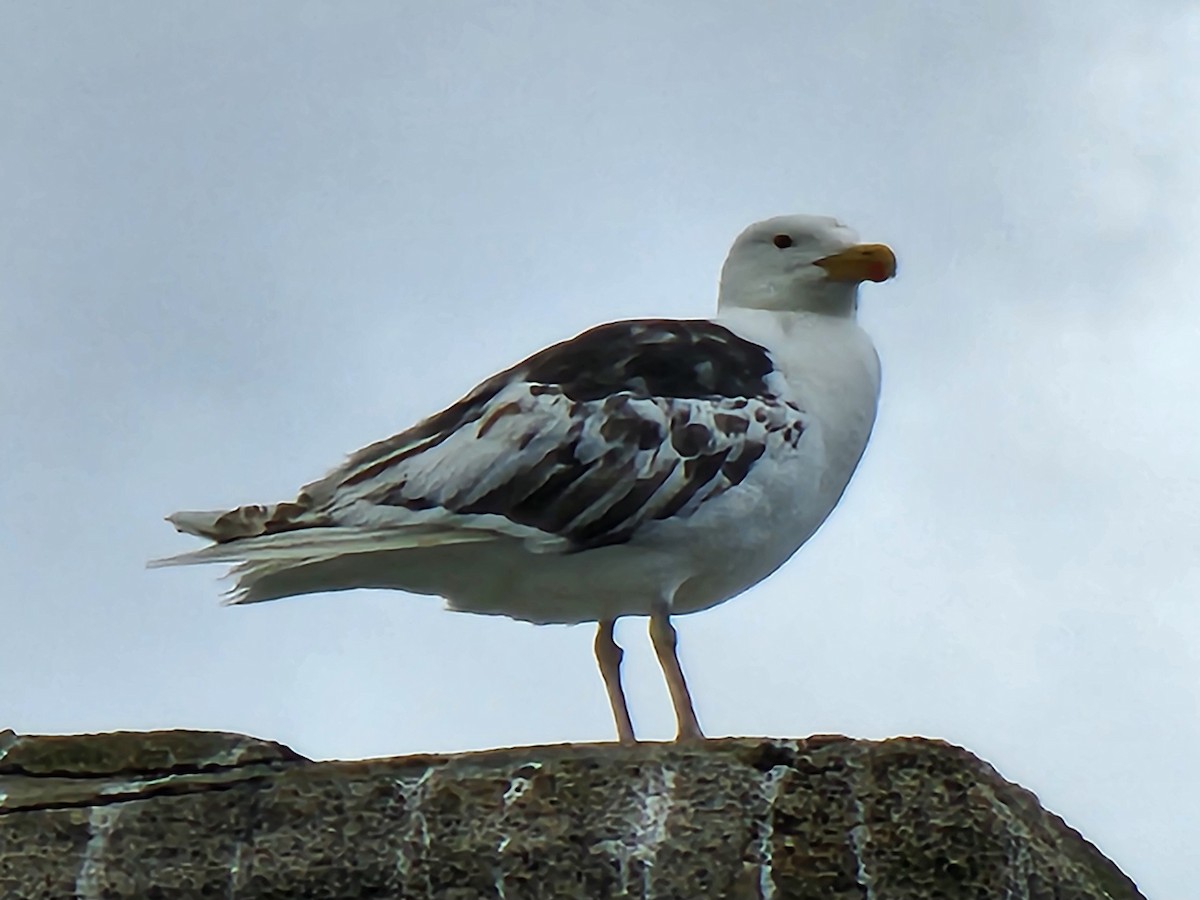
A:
662, 634
609, 657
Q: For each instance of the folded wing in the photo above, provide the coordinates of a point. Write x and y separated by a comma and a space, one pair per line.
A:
581, 445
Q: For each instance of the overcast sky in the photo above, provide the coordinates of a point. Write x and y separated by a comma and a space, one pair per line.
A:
240, 240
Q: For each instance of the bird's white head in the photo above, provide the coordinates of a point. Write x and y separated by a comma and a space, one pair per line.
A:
801, 263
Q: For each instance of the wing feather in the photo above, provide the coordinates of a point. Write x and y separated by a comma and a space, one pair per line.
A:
580, 445
587, 442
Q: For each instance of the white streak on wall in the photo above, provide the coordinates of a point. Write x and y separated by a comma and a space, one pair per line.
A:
651, 829
647, 828
235, 870
89, 881
416, 831
771, 785
1018, 870
860, 839
517, 787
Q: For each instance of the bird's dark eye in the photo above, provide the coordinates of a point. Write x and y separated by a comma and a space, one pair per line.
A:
782, 241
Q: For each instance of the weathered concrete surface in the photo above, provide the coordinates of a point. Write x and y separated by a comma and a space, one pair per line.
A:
195, 814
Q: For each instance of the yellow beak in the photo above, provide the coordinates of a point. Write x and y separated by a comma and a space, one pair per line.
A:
862, 262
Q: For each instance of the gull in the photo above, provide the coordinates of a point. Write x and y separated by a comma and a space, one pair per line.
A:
645, 467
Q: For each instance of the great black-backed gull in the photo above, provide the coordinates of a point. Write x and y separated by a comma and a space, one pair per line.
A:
647, 467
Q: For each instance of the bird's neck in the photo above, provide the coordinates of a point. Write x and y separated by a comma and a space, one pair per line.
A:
827, 298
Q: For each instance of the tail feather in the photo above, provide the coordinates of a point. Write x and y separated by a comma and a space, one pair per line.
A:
261, 580
312, 544
286, 549
222, 525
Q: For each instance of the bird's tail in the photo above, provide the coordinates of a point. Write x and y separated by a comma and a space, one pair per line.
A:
320, 543
286, 548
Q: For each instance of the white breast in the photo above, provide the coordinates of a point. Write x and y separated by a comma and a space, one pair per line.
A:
832, 372
832, 369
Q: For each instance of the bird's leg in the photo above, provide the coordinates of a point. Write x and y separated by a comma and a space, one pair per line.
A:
609, 656
662, 634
